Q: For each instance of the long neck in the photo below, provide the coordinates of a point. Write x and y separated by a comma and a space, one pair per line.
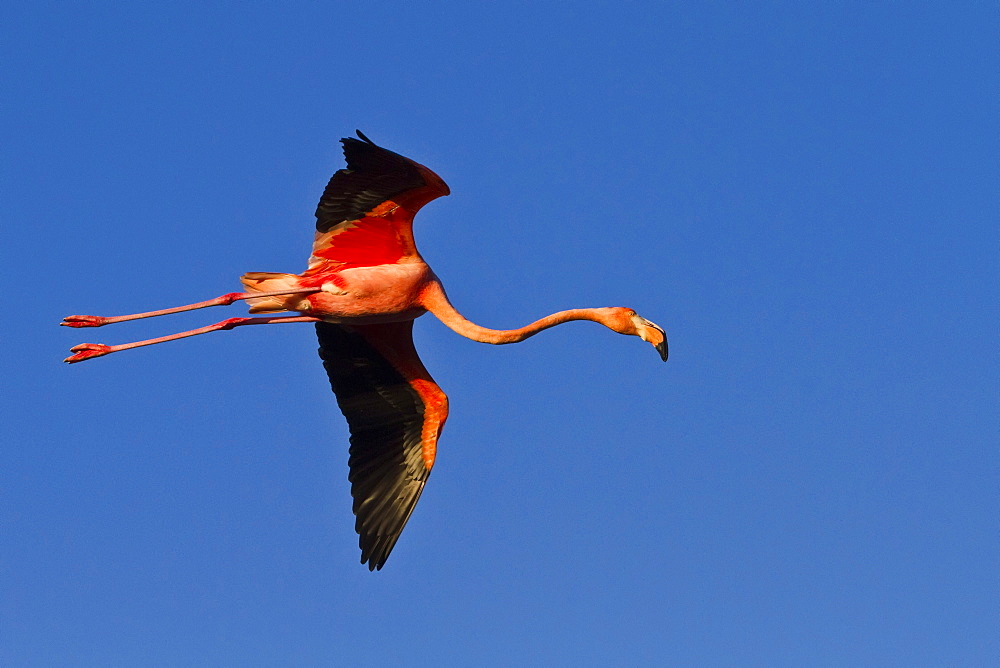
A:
436, 301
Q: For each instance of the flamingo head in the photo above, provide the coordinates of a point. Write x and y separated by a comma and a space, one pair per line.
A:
627, 321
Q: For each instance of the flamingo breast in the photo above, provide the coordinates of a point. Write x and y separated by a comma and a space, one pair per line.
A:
366, 295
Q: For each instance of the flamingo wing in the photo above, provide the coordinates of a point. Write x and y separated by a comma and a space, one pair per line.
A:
395, 412
365, 215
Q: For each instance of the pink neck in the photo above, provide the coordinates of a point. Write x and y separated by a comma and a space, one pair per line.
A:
436, 301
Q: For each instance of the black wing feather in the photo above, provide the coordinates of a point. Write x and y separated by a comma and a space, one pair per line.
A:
385, 415
373, 175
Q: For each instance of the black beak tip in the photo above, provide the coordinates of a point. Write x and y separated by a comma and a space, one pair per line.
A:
662, 349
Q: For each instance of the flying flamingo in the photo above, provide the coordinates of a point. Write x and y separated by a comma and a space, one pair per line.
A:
365, 285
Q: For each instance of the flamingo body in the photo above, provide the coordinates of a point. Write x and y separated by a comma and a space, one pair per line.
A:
364, 285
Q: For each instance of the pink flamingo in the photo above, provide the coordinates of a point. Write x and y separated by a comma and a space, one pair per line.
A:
365, 285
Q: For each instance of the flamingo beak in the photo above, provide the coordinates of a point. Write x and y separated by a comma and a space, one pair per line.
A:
662, 349
653, 333
661, 345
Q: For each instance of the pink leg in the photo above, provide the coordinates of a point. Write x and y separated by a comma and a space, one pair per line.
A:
224, 300
86, 351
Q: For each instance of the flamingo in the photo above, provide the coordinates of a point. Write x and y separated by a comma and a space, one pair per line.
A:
364, 286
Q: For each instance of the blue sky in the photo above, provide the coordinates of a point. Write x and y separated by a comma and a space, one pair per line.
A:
803, 196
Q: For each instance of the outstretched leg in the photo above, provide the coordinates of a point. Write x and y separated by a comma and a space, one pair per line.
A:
224, 300
86, 351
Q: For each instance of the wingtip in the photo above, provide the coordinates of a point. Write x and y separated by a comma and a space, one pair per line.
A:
362, 137
372, 563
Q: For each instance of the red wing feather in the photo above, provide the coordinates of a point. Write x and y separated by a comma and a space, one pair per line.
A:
371, 241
